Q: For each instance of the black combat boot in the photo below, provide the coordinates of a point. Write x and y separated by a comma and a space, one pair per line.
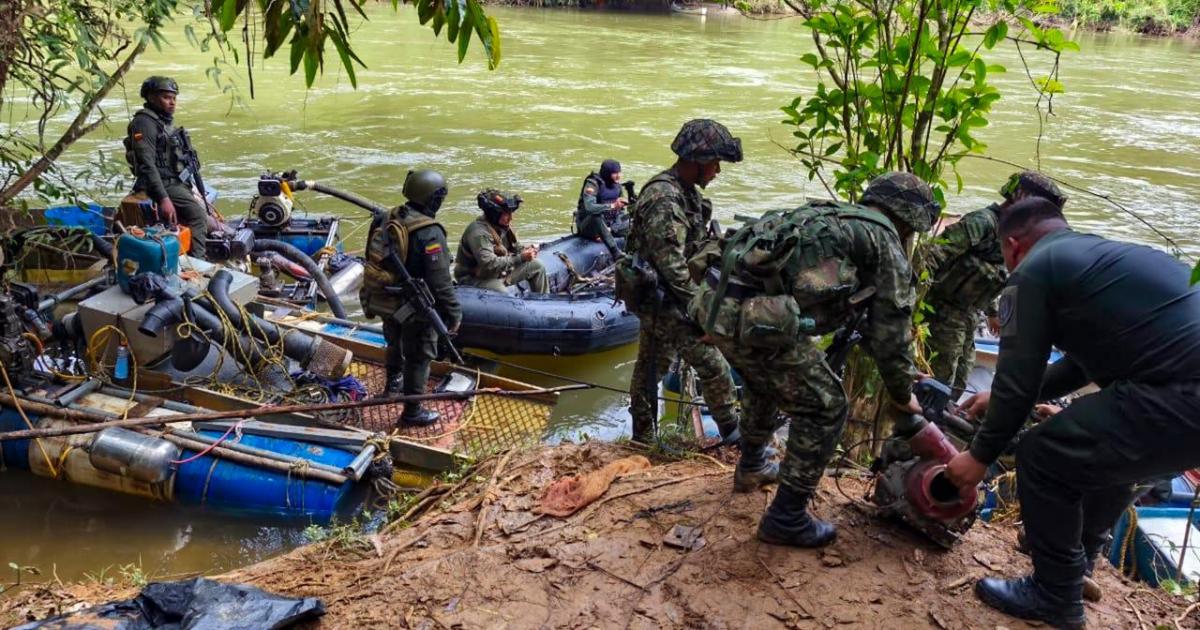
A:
1027, 599
393, 385
415, 416
753, 469
787, 522
1091, 588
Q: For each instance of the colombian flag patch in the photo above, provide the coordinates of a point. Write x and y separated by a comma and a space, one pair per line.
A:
433, 248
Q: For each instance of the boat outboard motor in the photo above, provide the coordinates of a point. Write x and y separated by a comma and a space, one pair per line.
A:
16, 353
912, 484
226, 245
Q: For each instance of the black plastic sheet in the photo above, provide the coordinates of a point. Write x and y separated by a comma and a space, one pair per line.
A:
197, 604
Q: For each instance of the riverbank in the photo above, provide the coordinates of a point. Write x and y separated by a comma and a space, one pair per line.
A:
480, 557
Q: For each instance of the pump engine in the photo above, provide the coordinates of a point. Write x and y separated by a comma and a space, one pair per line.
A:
273, 203
911, 483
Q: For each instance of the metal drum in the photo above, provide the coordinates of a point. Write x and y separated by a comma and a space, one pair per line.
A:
131, 454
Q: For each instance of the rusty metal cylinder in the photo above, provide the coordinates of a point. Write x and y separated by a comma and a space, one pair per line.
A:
132, 454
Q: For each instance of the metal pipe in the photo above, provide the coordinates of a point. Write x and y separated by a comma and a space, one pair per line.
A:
326, 319
358, 467
79, 391
258, 462
71, 292
257, 452
172, 405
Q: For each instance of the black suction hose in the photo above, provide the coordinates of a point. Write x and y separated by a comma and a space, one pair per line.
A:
168, 311
298, 347
361, 202
102, 246
294, 254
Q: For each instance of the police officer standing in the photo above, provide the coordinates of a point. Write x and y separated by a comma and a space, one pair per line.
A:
155, 155
409, 235
598, 215
489, 255
752, 310
968, 274
1128, 320
669, 223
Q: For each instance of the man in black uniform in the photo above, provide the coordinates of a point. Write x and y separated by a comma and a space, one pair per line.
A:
1128, 320
598, 216
409, 235
155, 155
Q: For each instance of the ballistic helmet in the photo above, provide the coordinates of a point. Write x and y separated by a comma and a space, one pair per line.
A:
158, 84
703, 140
494, 203
1033, 184
425, 190
907, 198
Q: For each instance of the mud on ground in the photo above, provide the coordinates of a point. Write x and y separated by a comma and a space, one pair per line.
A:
480, 558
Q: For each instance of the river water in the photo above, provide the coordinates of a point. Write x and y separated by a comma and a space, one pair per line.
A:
575, 88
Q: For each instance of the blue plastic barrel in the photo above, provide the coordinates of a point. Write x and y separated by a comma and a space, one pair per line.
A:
92, 216
228, 486
15, 452
155, 252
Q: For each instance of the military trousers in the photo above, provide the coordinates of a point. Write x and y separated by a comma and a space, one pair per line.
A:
595, 228
531, 271
797, 381
411, 348
952, 344
1076, 471
664, 335
191, 213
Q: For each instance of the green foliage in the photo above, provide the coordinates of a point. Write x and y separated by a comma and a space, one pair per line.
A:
905, 85
1152, 16
307, 26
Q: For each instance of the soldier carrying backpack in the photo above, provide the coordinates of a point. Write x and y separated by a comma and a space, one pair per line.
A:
783, 278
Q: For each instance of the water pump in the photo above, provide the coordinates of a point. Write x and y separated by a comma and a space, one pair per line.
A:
273, 203
911, 483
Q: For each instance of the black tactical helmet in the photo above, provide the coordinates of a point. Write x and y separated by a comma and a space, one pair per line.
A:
1033, 184
426, 190
703, 140
494, 203
158, 84
906, 197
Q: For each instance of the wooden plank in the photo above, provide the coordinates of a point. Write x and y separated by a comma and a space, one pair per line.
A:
318, 435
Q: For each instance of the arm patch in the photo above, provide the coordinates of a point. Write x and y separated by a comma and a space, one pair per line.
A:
1007, 311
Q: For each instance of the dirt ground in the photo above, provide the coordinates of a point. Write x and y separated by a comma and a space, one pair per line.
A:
480, 558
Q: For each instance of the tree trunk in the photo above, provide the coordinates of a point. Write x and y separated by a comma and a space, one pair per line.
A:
12, 13
79, 128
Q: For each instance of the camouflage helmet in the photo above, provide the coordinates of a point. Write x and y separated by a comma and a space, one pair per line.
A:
158, 84
1033, 184
426, 190
703, 140
494, 203
906, 197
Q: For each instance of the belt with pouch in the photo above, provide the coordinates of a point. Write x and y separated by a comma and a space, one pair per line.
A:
733, 288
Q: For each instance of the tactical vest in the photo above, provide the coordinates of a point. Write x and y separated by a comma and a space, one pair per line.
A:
803, 254
466, 264
697, 227
168, 155
394, 232
974, 279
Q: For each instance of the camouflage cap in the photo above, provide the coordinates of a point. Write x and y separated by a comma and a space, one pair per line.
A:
906, 197
1034, 184
703, 140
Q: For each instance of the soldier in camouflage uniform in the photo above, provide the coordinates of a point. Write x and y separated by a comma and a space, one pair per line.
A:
839, 249
968, 274
669, 222
489, 255
156, 159
409, 235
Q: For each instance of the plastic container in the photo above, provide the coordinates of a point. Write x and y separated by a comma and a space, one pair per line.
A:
151, 250
92, 216
184, 233
228, 486
1156, 545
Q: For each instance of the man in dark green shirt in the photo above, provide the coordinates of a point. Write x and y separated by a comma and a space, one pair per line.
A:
155, 156
1127, 320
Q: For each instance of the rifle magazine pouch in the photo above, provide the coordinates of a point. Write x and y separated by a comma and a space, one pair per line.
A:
404, 314
636, 284
725, 324
709, 255
769, 321
821, 291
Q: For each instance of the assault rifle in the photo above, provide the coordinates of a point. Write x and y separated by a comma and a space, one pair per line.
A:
417, 298
632, 196
191, 162
848, 336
